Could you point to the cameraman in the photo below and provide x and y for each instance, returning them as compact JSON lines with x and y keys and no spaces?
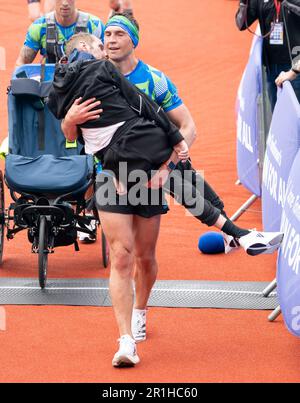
{"x":280,"y":28}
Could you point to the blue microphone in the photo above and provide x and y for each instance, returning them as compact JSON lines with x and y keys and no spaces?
{"x":211,"y":243}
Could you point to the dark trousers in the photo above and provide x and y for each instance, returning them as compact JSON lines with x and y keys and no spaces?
{"x":193,"y":187}
{"x":273,"y":72}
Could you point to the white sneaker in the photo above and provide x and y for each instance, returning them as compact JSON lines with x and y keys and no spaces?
{"x":84,"y":237}
{"x":230,"y":243}
{"x":126,"y":356}
{"x":259,"y":243}
{"x":138,"y":324}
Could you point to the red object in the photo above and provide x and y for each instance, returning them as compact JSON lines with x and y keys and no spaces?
{"x":277,"y":4}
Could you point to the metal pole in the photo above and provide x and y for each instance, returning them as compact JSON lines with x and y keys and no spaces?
{"x":244,"y":207}
{"x":274,"y":315}
{"x":271,"y":287}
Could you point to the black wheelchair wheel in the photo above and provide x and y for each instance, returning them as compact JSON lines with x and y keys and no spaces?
{"x":43,"y":251}
{"x":105,"y":250}
{"x":2,"y":217}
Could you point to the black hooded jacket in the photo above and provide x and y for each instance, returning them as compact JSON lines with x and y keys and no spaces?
{"x":120,"y":100}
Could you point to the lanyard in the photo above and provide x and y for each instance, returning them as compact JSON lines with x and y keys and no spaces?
{"x":277,"y":4}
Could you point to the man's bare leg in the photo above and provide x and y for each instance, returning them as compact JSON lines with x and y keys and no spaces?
{"x":146,"y":231}
{"x":118,"y":229}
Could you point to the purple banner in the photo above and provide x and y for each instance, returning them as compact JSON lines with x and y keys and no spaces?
{"x":288,"y":271}
{"x":282,"y":147}
{"x":250,"y":90}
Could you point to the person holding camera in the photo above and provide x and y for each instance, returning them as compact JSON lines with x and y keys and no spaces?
{"x":280,"y":28}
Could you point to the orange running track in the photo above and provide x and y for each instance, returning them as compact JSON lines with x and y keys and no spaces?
{"x":197,"y":45}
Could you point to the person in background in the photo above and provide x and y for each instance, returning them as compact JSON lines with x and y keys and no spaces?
{"x":280,"y":28}
{"x":48,"y":34}
{"x":290,"y":75}
{"x":35,"y":10}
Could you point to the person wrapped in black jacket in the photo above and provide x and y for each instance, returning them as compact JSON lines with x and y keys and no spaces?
{"x":141,"y":120}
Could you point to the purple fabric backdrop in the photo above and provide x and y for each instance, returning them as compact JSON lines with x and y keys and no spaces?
{"x":282,"y":147}
{"x":247,"y":121}
{"x":288,"y":271}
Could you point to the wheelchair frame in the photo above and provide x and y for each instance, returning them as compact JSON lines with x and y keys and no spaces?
{"x":46,"y":218}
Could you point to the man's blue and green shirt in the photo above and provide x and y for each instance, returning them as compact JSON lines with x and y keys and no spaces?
{"x":156,"y":85}
{"x":36,"y":34}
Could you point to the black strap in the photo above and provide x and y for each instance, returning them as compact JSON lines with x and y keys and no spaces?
{"x":41,"y":131}
{"x":82,"y":22}
{"x":54,"y":48}
{"x":76,"y":246}
{"x":80,"y":29}
{"x":41,"y":113}
{"x":51,"y":42}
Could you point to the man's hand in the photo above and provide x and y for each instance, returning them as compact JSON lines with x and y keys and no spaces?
{"x":80,"y":113}
{"x":182,"y":150}
{"x":121,"y":190}
{"x":285,"y":76}
{"x":159,"y":178}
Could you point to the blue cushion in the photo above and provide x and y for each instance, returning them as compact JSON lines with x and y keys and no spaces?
{"x":48,"y":174}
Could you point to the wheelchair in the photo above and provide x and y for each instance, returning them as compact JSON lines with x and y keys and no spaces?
{"x":46,"y":175}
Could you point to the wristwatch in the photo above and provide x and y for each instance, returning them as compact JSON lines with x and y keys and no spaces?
{"x":295,"y":71}
{"x":171,"y":166}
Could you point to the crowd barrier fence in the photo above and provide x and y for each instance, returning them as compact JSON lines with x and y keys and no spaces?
{"x":268,"y":165}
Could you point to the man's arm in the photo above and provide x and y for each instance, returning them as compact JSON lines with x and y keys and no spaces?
{"x":182,"y":118}
{"x":26,"y":56}
{"x":291,"y":74}
{"x":246,"y":14}
{"x":78,"y":114}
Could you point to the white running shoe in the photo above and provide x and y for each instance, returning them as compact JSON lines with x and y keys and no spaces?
{"x":230,"y":243}
{"x":126,"y":356}
{"x":87,"y":238}
{"x":138,"y":324}
{"x":259,"y":243}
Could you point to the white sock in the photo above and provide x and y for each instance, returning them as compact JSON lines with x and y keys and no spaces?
{"x":143,"y":311}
